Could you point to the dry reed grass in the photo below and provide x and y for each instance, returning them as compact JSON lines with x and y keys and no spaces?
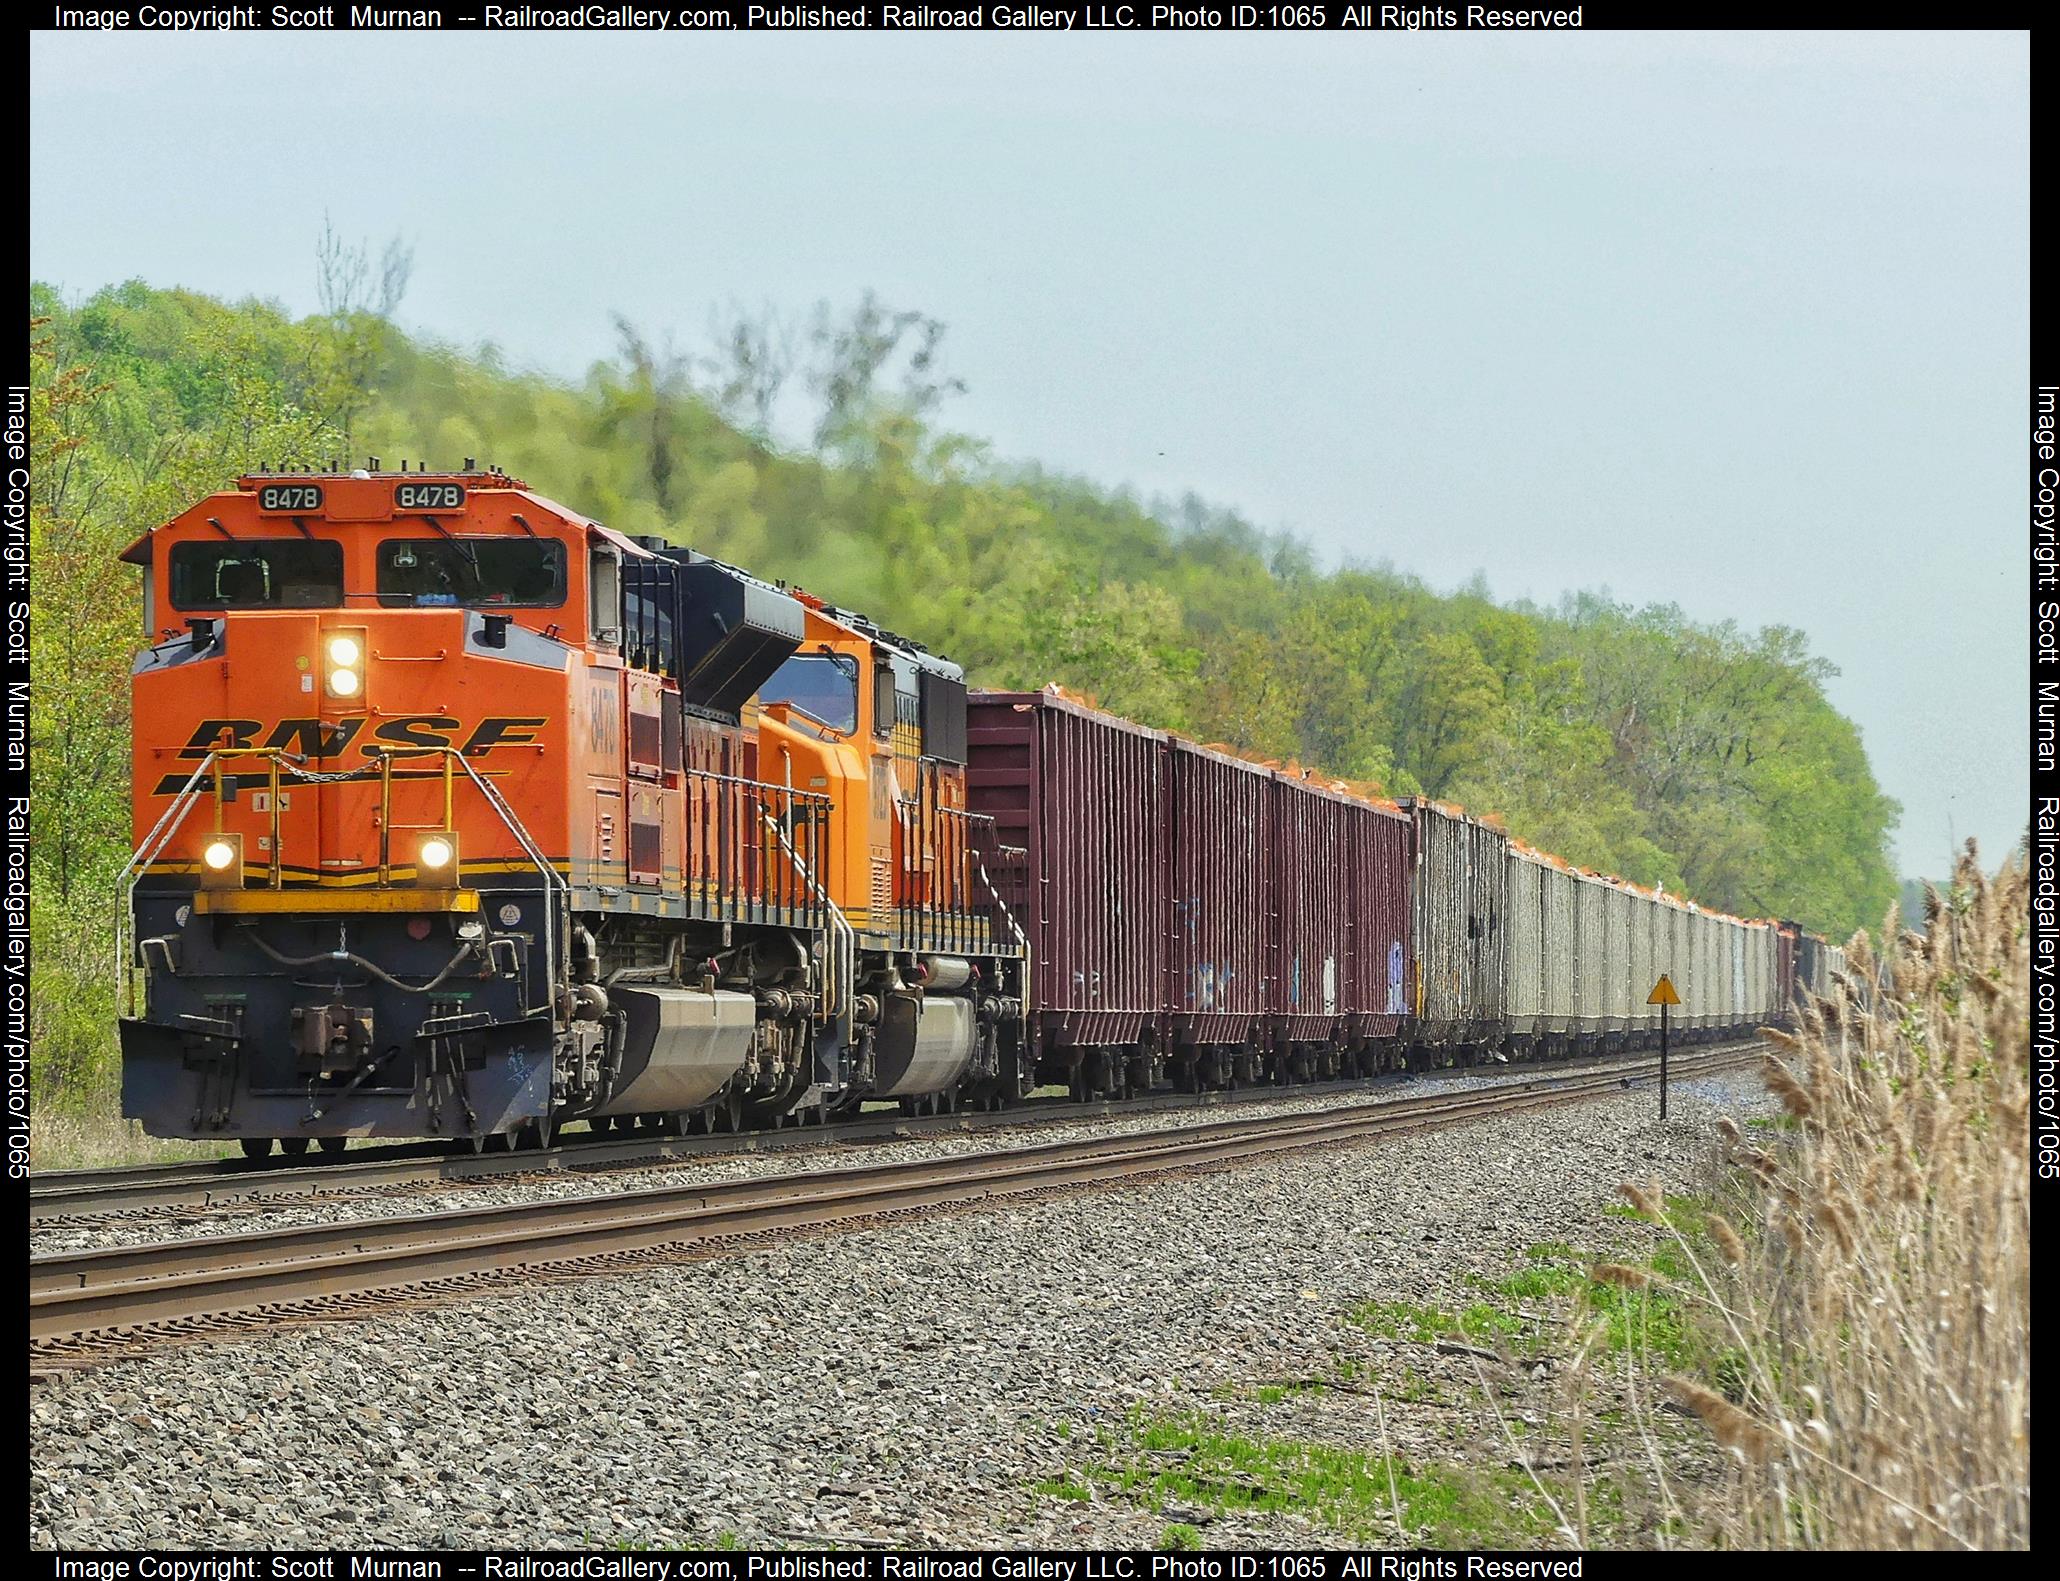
{"x":1876,"y":1318}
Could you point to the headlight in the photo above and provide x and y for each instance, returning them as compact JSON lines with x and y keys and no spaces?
{"x":221,"y":862}
{"x":343,"y":669}
{"x":436,"y":858}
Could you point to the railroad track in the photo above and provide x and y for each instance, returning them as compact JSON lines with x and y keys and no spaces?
{"x":74,"y":1193}
{"x":86,"y":1306}
{"x":206,"y":1183}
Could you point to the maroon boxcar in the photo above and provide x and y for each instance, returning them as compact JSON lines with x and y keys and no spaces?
{"x":1340,"y":929}
{"x":1083,"y":794}
{"x":1217,"y":952}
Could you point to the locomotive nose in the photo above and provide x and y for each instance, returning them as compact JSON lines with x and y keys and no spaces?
{"x":328,"y":729}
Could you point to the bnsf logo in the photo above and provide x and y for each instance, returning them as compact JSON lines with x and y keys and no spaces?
{"x":311,"y":738}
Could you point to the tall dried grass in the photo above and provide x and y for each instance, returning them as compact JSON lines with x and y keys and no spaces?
{"x":1877,"y":1390}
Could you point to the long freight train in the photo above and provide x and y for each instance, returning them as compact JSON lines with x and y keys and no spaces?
{"x":459,"y":815}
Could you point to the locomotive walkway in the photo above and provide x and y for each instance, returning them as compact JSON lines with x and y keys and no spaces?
{"x":97,"y":1305}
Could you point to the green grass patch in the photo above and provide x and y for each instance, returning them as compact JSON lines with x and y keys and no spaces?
{"x":1065,"y":1487}
{"x":1274,"y":1393}
{"x":1405,"y":1320}
{"x":1481,"y":1323}
{"x":1187,"y":1461}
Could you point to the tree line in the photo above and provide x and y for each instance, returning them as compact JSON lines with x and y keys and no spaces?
{"x":1701,"y":757}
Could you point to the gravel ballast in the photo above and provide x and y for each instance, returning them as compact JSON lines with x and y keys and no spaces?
{"x":911,"y":1383}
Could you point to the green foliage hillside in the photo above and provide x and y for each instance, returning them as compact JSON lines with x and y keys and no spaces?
{"x":1705,"y":758}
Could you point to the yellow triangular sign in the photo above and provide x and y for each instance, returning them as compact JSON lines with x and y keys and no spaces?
{"x":1663,"y":993}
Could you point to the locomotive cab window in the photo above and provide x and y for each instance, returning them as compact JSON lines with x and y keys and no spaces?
{"x":284,"y":573}
{"x":823,"y":686}
{"x":428,"y":573}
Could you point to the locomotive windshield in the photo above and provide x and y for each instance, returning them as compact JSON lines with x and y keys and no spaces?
{"x":823,"y":686}
{"x":279,"y":573}
{"x":427,"y":572}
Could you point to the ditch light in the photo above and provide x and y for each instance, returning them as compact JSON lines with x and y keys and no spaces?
{"x":221,"y":862}
{"x":436,"y":859}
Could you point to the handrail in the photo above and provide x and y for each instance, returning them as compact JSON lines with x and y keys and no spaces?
{"x":553,"y":879}
{"x":169,"y":824}
{"x":953,"y":831}
{"x":188,"y":796}
{"x":131,"y":875}
{"x":841,"y":972}
{"x":1001,"y":905}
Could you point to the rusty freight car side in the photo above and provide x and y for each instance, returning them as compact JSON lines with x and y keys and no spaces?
{"x":1083,"y":796}
{"x":1340,"y":904}
{"x":1218,"y":930}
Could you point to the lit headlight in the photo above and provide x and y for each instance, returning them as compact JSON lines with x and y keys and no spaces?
{"x":343,"y":668}
{"x":436,"y":858}
{"x":221,"y":861}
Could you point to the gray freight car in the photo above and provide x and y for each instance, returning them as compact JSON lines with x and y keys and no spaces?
{"x":1457,"y":910}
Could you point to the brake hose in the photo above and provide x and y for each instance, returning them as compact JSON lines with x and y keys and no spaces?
{"x":464,"y":950}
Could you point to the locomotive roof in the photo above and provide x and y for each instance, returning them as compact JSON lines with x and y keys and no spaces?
{"x":475,"y":480}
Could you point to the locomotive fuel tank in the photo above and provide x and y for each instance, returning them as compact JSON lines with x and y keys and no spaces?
{"x":926,"y":1044}
{"x":680,"y":1047}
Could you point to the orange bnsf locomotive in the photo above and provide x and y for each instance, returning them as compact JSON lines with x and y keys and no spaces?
{"x":458,"y":814}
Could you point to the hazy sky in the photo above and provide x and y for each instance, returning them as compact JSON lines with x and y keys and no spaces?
{"x":1736,"y":321}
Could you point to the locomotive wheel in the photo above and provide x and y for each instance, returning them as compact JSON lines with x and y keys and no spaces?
{"x":293,"y":1146}
{"x":257,"y":1147}
{"x":332,"y":1145}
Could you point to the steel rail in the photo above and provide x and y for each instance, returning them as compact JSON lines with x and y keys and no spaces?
{"x":73,"y":1193}
{"x":75,"y":1294}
